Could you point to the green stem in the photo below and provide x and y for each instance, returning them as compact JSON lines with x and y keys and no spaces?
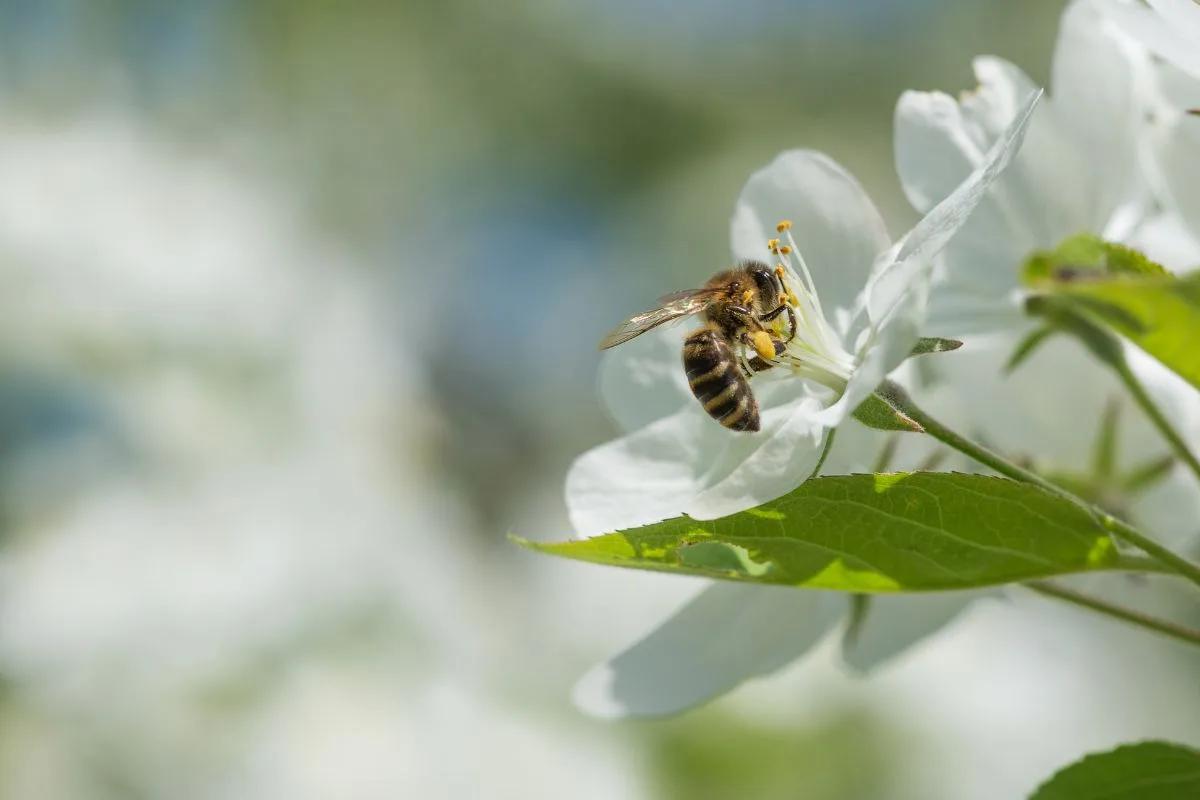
{"x":1116,"y":612}
{"x":1152,"y":411}
{"x":896,"y":396}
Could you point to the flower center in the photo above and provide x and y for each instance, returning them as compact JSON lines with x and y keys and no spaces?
{"x":815,"y":350}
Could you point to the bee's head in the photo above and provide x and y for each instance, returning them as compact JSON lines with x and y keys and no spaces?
{"x":768,"y":283}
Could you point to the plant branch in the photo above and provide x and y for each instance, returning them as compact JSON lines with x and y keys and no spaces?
{"x":1162,"y":626}
{"x":1151,"y":410}
{"x":895,"y":395}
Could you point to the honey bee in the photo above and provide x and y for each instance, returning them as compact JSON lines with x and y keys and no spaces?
{"x":737,"y":306}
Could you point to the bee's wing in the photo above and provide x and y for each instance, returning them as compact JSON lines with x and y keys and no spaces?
{"x":676,"y":305}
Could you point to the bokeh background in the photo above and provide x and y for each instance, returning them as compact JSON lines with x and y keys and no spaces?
{"x":298,"y":312}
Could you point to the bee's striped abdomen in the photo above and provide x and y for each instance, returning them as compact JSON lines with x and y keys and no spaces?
{"x":717,"y":380}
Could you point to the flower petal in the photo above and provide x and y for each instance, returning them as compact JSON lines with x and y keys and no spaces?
{"x":836,"y":226}
{"x":933,"y":231}
{"x":894,"y":624}
{"x":686,"y":463}
{"x":1172,"y":33}
{"x":1101,"y":82}
{"x":940,"y":141}
{"x":643,"y":380}
{"x":728,"y":634}
{"x":1179,"y":159}
{"x":897,"y":297}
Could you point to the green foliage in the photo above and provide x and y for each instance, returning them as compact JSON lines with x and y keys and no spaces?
{"x":874,"y":412}
{"x":1144,"y":771}
{"x":932,"y":344}
{"x":896,"y":532}
{"x":1086,"y":256}
{"x":712,"y":754}
{"x":1159,"y":315}
{"x":1089,"y":287}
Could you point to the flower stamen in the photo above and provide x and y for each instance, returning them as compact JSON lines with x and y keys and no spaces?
{"x":815,"y":350}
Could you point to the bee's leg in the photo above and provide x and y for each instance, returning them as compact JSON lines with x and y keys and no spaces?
{"x":757,"y":364}
{"x":791,"y":315}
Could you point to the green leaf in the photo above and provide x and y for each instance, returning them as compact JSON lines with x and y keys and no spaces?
{"x":1027,"y":347}
{"x":1144,"y":771}
{"x":899,"y":532}
{"x":1159,"y":315}
{"x":1085,"y":257}
{"x":875,"y":412}
{"x":932,"y":344}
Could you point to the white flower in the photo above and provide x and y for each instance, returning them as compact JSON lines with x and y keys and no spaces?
{"x":1175,"y":149}
{"x":1079,"y":170}
{"x":678,"y":460}
{"x":1169,"y":28}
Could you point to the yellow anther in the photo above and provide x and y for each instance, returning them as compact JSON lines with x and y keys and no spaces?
{"x":783,"y":251}
{"x":783,"y":225}
{"x":779,"y":270}
{"x":747,"y":296}
{"x":792,"y":300}
{"x":772,"y":244}
{"x":764,"y":345}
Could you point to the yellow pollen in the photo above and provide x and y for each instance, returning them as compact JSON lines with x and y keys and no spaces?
{"x":792,"y":300}
{"x":783,"y":251}
{"x":747,"y":296}
{"x":772,"y":244}
{"x":764,"y":345}
{"x":783,"y":225}
{"x":779,"y":270}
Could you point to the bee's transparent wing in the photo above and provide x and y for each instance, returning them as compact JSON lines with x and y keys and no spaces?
{"x":676,"y":305}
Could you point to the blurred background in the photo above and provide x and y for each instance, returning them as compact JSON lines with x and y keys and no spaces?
{"x":298,"y":312}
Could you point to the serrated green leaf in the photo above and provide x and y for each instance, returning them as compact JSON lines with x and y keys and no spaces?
{"x":899,"y":532}
{"x":932,"y":344}
{"x":1144,"y":771}
{"x":1086,"y":257}
{"x":1159,"y":315}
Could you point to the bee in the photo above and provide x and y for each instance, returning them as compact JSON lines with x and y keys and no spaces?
{"x":735,"y":342}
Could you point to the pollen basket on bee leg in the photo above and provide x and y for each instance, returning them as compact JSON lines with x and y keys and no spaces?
{"x":764,"y":345}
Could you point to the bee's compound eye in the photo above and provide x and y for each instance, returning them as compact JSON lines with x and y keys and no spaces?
{"x":766,"y":282}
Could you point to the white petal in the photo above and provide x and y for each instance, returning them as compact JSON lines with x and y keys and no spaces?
{"x":894,"y":340}
{"x":895,"y":623}
{"x":1179,"y":159}
{"x":1100,"y":87}
{"x":836,"y":226}
{"x":1172,"y":33}
{"x":729,"y":634}
{"x":648,"y":475}
{"x":1182,"y":15}
{"x":940,"y":141}
{"x":1166,"y":239}
{"x":897,"y":298}
{"x":643,"y":380}
{"x":938,"y":145}
{"x":933,"y":231}
{"x":751,"y":469}
{"x":688,"y":464}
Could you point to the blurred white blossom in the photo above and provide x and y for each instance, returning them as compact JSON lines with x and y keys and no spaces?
{"x":1169,"y":28}
{"x":262,"y":592}
{"x":1082,"y":168}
